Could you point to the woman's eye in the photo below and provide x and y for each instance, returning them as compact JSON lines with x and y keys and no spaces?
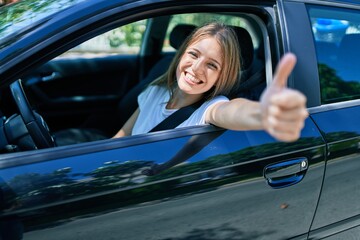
{"x":212,"y":66}
{"x":192,"y":54}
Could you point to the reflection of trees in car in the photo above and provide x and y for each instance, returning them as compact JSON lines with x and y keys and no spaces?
{"x":32,"y":189}
{"x":35,"y":188}
{"x":344,"y":148}
{"x":333,"y":88}
{"x":242,"y":156}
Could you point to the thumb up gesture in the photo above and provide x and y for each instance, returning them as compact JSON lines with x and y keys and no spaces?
{"x":283,"y":109}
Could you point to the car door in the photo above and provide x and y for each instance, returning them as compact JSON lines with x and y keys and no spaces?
{"x":193,"y":183}
{"x":220,"y":191}
{"x":336,"y":39}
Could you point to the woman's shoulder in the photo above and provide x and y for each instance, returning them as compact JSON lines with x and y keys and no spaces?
{"x":208,"y":103}
{"x":153,"y":93}
{"x":155,"y":89}
{"x":219,"y":98}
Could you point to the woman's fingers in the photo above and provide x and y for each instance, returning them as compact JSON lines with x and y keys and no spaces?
{"x":284,"y":136}
{"x":286,"y":115}
{"x":288,"y":99}
{"x":286,"y":125}
{"x":283,"y":70}
{"x":284,"y":109}
{"x":284,"y":130}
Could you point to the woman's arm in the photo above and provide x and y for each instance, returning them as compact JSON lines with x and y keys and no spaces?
{"x":281,"y":111}
{"x":238,"y":114}
{"x":128,"y":126}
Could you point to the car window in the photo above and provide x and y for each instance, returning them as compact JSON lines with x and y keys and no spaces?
{"x":200,"y":19}
{"x":94,"y":81}
{"x":337,"y":35}
{"x":122,"y":40}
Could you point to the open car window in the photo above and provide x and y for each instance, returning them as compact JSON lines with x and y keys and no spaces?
{"x":88,"y":92}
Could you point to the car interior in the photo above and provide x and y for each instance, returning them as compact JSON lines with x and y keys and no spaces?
{"x":85,"y":98}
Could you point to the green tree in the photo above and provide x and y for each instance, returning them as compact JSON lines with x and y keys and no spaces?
{"x":129,"y":35}
{"x":333,"y":88}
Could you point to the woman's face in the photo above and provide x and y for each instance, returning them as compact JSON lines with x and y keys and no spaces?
{"x":200,"y":66}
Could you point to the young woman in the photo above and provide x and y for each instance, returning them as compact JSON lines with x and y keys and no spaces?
{"x":206,"y":68}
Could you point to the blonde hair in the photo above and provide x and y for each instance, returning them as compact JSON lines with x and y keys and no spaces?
{"x":230,"y":71}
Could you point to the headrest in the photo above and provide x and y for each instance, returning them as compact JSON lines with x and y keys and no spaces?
{"x":180,"y":33}
{"x":349,"y":47}
{"x":348,"y":60}
{"x":246,"y":46}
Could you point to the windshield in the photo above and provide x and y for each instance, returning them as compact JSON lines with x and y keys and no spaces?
{"x":23,"y":14}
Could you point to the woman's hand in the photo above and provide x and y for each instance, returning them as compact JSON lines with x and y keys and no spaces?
{"x":283,"y":109}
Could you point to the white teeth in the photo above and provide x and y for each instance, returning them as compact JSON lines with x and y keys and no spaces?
{"x":192,"y":78}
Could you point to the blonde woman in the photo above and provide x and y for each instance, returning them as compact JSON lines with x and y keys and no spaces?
{"x":205,"y":69}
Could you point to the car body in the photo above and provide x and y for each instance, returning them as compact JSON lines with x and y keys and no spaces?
{"x":216,"y":183}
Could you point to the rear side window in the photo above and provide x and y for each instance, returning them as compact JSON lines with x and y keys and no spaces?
{"x":336,"y":34}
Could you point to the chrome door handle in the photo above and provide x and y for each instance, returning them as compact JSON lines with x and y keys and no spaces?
{"x":286,"y":173}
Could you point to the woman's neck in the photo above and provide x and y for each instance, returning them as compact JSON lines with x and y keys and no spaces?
{"x":180,"y":99}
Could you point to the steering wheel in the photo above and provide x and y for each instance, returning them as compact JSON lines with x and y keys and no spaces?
{"x":35,"y":124}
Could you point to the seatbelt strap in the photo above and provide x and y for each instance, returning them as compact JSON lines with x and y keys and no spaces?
{"x":177,"y":117}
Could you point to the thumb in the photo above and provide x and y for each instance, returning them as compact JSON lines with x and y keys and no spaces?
{"x":283,"y":70}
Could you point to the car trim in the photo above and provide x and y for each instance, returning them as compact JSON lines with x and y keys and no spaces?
{"x":334,"y":106}
{"x":329,"y":3}
{"x":335,"y":228}
{"x":15,"y":159}
{"x":267,"y":49}
{"x":305,"y":75}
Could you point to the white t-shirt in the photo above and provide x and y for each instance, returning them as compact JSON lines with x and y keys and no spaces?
{"x":152,"y":105}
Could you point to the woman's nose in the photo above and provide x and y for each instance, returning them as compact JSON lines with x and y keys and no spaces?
{"x":197,"y":65}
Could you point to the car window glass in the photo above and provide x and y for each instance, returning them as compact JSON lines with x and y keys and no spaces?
{"x":200,"y":19}
{"x":123,"y":40}
{"x":22,"y":15}
{"x":337,"y":35}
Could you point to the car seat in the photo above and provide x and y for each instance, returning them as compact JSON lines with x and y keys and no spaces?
{"x":252,"y":79}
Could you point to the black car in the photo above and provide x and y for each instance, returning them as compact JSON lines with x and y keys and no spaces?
{"x":69,"y":68}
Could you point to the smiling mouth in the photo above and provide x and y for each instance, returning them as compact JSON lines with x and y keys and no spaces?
{"x":191,"y":79}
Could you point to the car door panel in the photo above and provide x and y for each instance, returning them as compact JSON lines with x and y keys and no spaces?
{"x":219,"y":189}
{"x":68,"y":89}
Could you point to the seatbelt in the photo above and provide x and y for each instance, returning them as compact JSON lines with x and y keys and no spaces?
{"x":177,"y":117}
